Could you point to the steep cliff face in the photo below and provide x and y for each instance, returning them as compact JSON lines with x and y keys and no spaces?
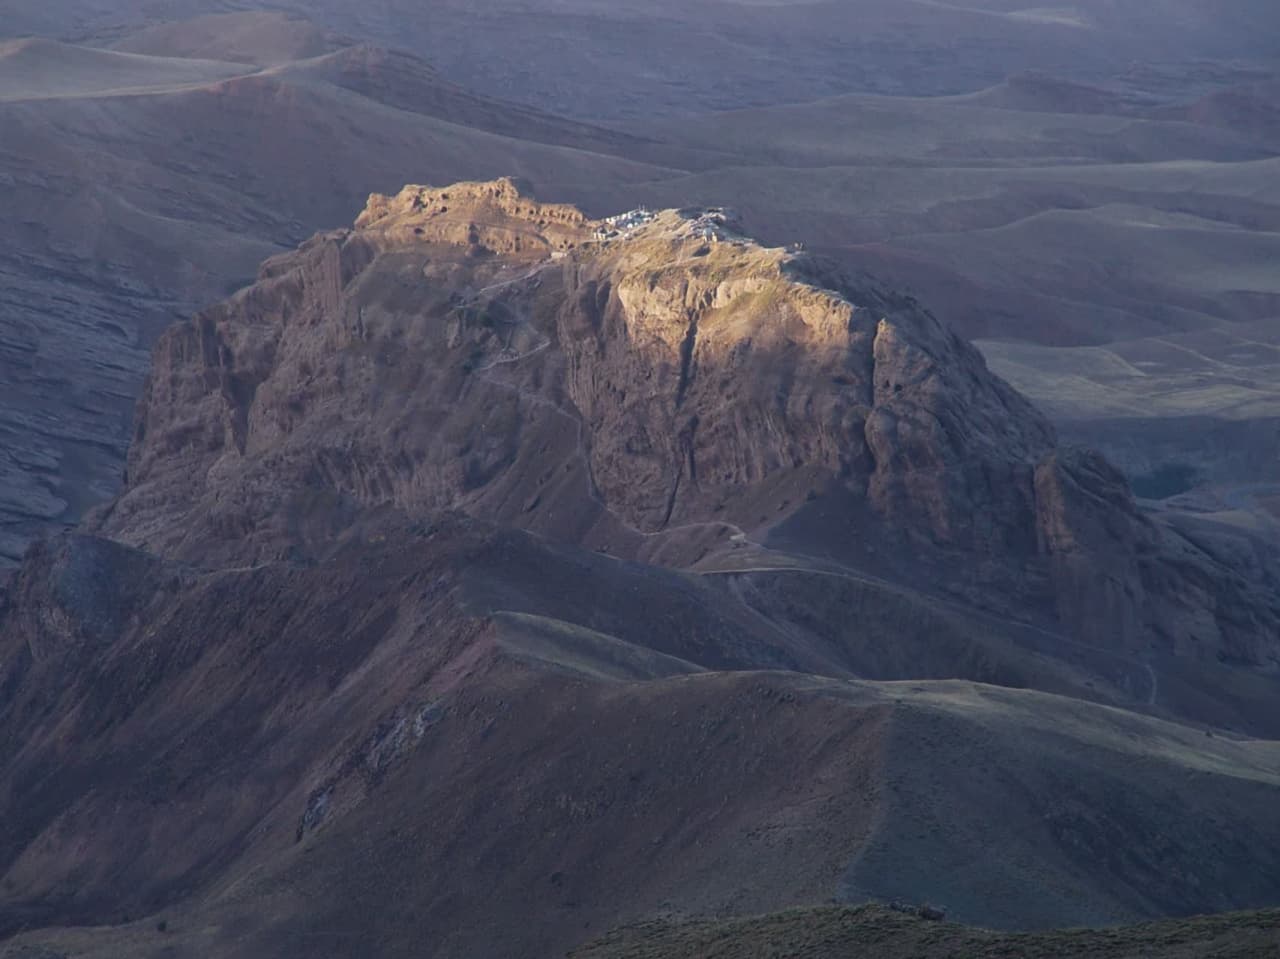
{"x":678,"y":370}
{"x":658,"y":387}
{"x":1120,"y":575}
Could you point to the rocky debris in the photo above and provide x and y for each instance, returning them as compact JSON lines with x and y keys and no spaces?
{"x":827,"y":932}
{"x":76,"y":595}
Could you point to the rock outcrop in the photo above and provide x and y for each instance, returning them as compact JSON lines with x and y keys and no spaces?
{"x":697,"y":369}
{"x":656,"y":390}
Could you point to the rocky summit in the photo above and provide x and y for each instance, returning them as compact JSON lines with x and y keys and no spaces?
{"x":487,"y":575}
{"x":657,"y":387}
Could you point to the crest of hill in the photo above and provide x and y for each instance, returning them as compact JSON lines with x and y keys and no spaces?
{"x":1040,"y":93}
{"x":257,"y":37}
{"x":35,"y":69}
{"x":405,"y":82}
{"x":497,"y":216}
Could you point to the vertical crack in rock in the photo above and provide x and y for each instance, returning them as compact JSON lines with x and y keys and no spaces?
{"x":686,"y":358}
{"x":688,"y":437}
{"x":690,"y":463}
{"x":671,"y":499}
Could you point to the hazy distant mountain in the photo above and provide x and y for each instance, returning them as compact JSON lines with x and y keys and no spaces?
{"x":604,"y":59}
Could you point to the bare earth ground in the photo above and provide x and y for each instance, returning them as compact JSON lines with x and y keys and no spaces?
{"x":411,"y":763}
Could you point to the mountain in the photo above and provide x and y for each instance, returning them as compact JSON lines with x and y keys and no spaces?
{"x":790,"y":400}
{"x":149,"y":166}
{"x":135,"y":189}
{"x":488,"y":576}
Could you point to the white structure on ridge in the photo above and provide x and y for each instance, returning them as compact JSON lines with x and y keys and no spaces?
{"x":623,"y":223}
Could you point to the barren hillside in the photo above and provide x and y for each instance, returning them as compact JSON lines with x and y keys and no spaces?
{"x":804,"y":604}
{"x":776,"y":459}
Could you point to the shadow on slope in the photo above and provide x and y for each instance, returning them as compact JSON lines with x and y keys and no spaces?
{"x":361,"y":753}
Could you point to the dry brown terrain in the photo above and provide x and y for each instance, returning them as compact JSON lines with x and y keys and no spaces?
{"x":404,"y":764}
{"x":807,"y":605}
{"x":486,"y":576}
{"x":653,"y":395}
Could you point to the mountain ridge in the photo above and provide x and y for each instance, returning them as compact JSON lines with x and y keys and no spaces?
{"x":489,"y":559}
{"x":715,"y":387}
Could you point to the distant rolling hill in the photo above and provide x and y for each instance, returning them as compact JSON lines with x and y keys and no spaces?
{"x":44,"y":69}
{"x":597,"y":59}
{"x":261,"y":37}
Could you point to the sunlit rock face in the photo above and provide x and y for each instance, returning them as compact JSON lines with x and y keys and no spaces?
{"x":656,"y":386}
